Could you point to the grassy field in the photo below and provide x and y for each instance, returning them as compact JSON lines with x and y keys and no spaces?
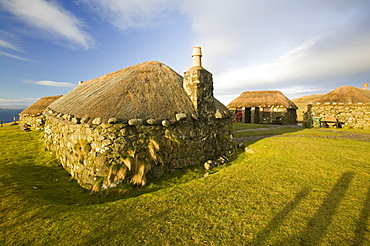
{"x":299,"y":187}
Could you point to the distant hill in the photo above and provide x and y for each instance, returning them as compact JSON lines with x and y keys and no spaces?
{"x":301,"y":103}
{"x":306,"y":99}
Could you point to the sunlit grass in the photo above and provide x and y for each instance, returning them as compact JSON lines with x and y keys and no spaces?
{"x":300,"y":188}
{"x":240,"y":126}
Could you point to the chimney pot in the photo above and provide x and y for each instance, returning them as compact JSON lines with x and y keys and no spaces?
{"x":196,"y":57}
{"x":365,"y":86}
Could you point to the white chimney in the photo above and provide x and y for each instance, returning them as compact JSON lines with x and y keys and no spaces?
{"x":365,"y":86}
{"x":196,"y":57}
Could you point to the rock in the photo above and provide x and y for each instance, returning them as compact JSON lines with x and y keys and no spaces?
{"x":180,"y":117}
{"x":135,"y":122}
{"x":194,"y":116}
{"x":166,"y":123}
{"x":249,"y":150}
{"x":84,"y":120}
{"x":97,"y":121}
{"x":208,"y":165}
{"x":76,"y":120}
{"x":151,"y":121}
{"x":241,"y":145}
{"x":112,"y":121}
{"x":218,"y":114}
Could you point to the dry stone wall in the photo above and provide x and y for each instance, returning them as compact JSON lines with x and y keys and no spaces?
{"x":36,"y":122}
{"x":279,"y":115}
{"x":351,"y":115}
{"x":102,"y":155}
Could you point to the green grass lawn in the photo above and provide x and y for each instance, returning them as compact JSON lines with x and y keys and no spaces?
{"x":299,"y":187}
{"x":240,"y":126}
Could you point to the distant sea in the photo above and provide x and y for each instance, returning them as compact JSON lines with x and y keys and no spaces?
{"x":7,"y":115}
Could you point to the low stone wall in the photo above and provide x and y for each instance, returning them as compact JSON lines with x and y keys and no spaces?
{"x":35,"y":122}
{"x":352,"y":116}
{"x":102,"y":155}
{"x":278,"y":115}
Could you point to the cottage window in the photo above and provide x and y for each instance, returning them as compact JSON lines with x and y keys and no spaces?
{"x":266,"y":112}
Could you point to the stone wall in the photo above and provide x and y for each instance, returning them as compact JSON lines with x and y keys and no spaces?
{"x":279,"y":115}
{"x":35,"y":122}
{"x":103,"y":155}
{"x":351,"y":115}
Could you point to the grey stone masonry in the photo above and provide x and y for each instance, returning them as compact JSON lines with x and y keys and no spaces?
{"x":198,"y":84}
{"x":104,"y":155}
{"x":355,"y":116}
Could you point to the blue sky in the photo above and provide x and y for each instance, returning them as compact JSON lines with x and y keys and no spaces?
{"x":299,"y":47}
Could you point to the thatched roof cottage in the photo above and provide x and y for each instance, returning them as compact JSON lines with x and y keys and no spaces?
{"x":33,"y":115}
{"x":265,"y":107}
{"x":144,"y":120}
{"x":350,"y":106}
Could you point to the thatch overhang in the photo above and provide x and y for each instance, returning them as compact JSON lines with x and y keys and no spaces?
{"x":38,"y":107}
{"x":219,"y":106}
{"x":344,"y":95}
{"x":262,"y":99}
{"x":149,"y":90}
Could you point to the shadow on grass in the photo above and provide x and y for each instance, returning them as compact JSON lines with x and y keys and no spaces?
{"x":318,"y":224}
{"x":274,"y":224}
{"x":30,"y":173}
{"x":252,"y":136}
{"x":362,"y":223}
{"x":53,"y":184}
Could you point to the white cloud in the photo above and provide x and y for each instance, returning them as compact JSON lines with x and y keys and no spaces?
{"x":257,"y":45}
{"x":7,"y":45}
{"x":132,"y":14}
{"x":305,"y":61}
{"x":19,"y":103}
{"x":51,"y":21}
{"x":15,"y":56}
{"x":50,"y":83}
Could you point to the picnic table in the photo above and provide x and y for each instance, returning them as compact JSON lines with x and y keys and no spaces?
{"x":331,"y":122}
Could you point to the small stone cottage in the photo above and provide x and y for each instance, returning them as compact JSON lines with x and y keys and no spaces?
{"x":142,"y":121}
{"x":348,"y":106}
{"x":263,"y":107}
{"x":33,"y":115}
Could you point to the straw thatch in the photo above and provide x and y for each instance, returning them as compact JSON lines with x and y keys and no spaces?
{"x":149,"y":90}
{"x":262,"y":99}
{"x":219,"y":106}
{"x":38,"y":107}
{"x":345,"y":95}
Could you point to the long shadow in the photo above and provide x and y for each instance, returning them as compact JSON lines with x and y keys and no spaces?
{"x":362,"y":222}
{"x":319,"y":223}
{"x":251,"y":136}
{"x":274,"y":224}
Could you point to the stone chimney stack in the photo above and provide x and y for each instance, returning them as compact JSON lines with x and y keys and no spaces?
{"x":365,"y":86}
{"x":196,"y":57}
{"x":198,"y":84}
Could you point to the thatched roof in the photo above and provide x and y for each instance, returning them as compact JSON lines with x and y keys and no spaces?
{"x":261,"y":99}
{"x":149,"y":90}
{"x":38,"y":107}
{"x":220,"y":106}
{"x":345,"y":95}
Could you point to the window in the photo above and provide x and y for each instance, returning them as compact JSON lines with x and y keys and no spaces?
{"x":266,"y":112}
